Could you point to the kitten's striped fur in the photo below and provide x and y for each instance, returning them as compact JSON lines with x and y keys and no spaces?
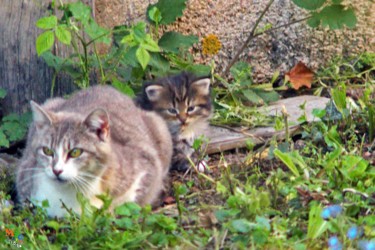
{"x":97,"y":141}
{"x":185,"y":104}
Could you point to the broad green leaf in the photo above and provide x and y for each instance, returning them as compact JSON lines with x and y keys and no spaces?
{"x":309,"y":4}
{"x":143,"y":57}
{"x":122,"y":87}
{"x":3,"y":140}
{"x":3,"y":93}
{"x":46,"y":23}
{"x":63,"y":34}
{"x":44,"y":42}
{"x":173,"y":41}
{"x":169,"y":12}
{"x":317,"y":226}
{"x":336,"y":16}
{"x":286,"y":158}
{"x":80,"y":11}
{"x":314,"y":20}
{"x":139,"y":32}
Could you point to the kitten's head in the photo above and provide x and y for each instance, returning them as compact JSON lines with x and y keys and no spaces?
{"x":71,"y":148}
{"x":182,"y":100}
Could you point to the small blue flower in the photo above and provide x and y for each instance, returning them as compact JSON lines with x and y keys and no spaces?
{"x":366,"y":245}
{"x":20,"y":237}
{"x":331,"y":212}
{"x":354,"y":232}
{"x":334,"y":243}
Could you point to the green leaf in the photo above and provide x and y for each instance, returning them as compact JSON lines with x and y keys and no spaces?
{"x":46,"y":23}
{"x":150,"y":44}
{"x":80,"y":11}
{"x":3,"y":140}
{"x":3,"y":93}
{"x":169,"y":11}
{"x":63,"y":34}
{"x":267,"y":96}
{"x":53,"y":224}
{"x":251,"y":96}
{"x":122,"y":87}
{"x":97,"y":33}
{"x":241,"y":226}
{"x":44,"y":42}
{"x":319,"y":113}
{"x":353,"y":166}
{"x":309,"y":4}
{"x":336,"y":16}
{"x":287,"y":160}
{"x":317,"y":226}
{"x":143,"y":57}
{"x":314,"y":20}
{"x":173,"y":41}
{"x":154,"y":14}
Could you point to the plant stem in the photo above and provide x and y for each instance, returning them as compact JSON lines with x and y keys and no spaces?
{"x":249,"y":38}
{"x":252,"y":35}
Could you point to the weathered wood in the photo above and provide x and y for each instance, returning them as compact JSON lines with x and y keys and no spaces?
{"x":222,"y":139}
{"x":23,"y":75}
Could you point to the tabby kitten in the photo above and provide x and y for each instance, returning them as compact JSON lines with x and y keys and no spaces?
{"x":96,"y":142}
{"x":185,"y":104}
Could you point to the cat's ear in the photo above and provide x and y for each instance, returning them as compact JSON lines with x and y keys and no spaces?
{"x":41,"y":117}
{"x":202,"y":86}
{"x":154,"y":92}
{"x":98,"y":122}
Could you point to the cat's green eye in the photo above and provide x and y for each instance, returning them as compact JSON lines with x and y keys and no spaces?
{"x":75,"y":152}
{"x":172,"y":111}
{"x":47,"y":151}
{"x":191,"y":109}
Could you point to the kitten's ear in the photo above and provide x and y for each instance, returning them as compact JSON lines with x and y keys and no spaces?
{"x":202,"y":86}
{"x":40,"y":116}
{"x":153,"y":92}
{"x":98,"y":122}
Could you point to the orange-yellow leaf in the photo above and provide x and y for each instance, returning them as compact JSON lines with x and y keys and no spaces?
{"x":300,"y":75}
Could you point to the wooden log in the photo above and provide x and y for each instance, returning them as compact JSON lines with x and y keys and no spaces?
{"x":223,"y":139}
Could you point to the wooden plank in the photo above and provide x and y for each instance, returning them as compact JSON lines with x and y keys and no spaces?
{"x":223,"y":139}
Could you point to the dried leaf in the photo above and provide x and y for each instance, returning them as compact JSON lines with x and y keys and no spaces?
{"x":300,"y":75}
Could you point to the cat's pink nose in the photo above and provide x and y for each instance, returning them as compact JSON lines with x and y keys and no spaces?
{"x":57,"y":172}
{"x":182,"y":119}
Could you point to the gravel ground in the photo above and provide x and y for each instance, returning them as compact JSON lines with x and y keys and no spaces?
{"x":231,"y":21}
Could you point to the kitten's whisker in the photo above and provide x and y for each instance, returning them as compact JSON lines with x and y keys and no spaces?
{"x":30,"y":178}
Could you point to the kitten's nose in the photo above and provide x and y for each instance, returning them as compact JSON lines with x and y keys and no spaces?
{"x":182,"y":119}
{"x":57,"y":172}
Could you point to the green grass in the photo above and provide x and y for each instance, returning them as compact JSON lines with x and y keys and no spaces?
{"x":281,"y":201}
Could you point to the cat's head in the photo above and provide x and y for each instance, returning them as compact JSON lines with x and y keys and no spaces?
{"x":68,"y":147}
{"x":182,"y":100}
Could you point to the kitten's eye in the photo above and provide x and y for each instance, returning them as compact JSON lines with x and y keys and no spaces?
{"x":75,"y":152}
{"x":172,"y":111}
{"x":47,"y":151}
{"x":191,"y":109}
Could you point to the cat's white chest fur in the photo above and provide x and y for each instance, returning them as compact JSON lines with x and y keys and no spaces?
{"x":56,"y":193}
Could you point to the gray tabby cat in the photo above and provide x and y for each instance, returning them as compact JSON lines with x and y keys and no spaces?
{"x":185,"y":104}
{"x":96,"y":142}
